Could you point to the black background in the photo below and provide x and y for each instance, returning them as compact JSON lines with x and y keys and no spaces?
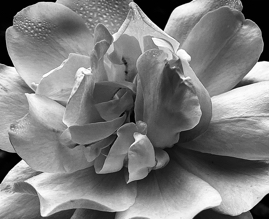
{"x":158,"y":11}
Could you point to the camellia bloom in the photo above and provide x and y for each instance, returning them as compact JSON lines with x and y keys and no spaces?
{"x":115,"y":118}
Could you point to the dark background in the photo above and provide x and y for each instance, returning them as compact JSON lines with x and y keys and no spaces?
{"x":158,"y":11}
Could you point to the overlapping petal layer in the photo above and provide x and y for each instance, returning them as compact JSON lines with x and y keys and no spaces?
{"x":239,"y":125}
{"x":35,"y":138}
{"x":236,"y":49}
{"x":186,"y":16}
{"x":240,"y":183}
{"x":171,"y":192}
{"x":13,"y":103}
{"x":211,"y":214}
{"x":42,"y":37}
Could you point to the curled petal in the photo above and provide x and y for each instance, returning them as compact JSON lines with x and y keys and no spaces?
{"x":240,"y":183}
{"x":36,"y":138}
{"x":239,"y":125}
{"x":82,"y":189}
{"x":58,"y":83}
{"x":42,"y":37}
{"x":13,"y":103}
{"x":186,"y":16}
{"x":111,"y":13}
{"x":237,"y":47}
{"x":171,"y":192}
{"x":170,"y":102}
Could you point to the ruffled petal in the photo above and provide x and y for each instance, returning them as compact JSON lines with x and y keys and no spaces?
{"x":211,"y":214}
{"x":236,"y":49}
{"x":58,"y":83}
{"x":170,"y":102}
{"x":259,"y":73}
{"x":13,"y":103}
{"x":186,"y":16}
{"x":36,"y":138}
{"x":82,"y":189}
{"x":110,"y":13}
{"x":240,"y":183}
{"x":171,"y":192}
{"x":239,"y":125}
{"x":42,"y":37}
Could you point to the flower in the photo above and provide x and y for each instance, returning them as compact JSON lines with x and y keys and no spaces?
{"x":134,"y":123}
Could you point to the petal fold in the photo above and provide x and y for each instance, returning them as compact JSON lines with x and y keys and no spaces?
{"x":42,"y":37}
{"x":239,"y":125}
{"x":237,"y":47}
{"x":35,"y":138}
{"x":186,"y":16}
{"x":13,"y":103}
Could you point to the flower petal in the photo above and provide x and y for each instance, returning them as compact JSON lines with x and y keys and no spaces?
{"x":259,"y":73}
{"x":237,"y":46}
{"x":58,"y":83}
{"x":171,"y":192}
{"x":211,"y":214}
{"x":42,"y":37}
{"x":83,"y":189}
{"x":170,"y":101}
{"x":186,"y":16}
{"x":82,"y":213}
{"x":239,"y":125}
{"x":36,"y":138}
{"x":110,"y":13}
{"x":241,"y":183}
{"x":13,"y":104}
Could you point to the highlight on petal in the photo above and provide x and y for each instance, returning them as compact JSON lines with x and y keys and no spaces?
{"x":239,"y":125}
{"x":259,"y":73}
{"x":240,"y":183}
{"x":58,"y":83}
{"x":35,"y":138}
{"x":42,"y":37}
{"x":186,"y":16}
{"x":83,"y":189}
{"x":171,"y":192}
{"x":211,"y":214}
{"x":170,"y":102}
{"x":111,"y":13}
{"x":13,"y":103}
{"x":236,"y":49}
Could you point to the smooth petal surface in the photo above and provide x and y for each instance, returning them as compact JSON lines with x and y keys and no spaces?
{"x":186,"y":16}
{"x":211,"y":214}
{"x":236,"y":49}
{"x":170,"y":103}
{"x":111,"y":13}
{"x":169,"y":193}
{"x":36,"y":138}
{"x":83,"y":189}
{"x":240,"y":183}
{"x":259,"y":73}
{"x":239,"y":125}
{"x":42,"y":37}
{"x":13,"y":103}
{"x":58,"y":83}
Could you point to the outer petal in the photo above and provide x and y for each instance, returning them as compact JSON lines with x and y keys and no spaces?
{"x":259,"y":73}
{"x":111,"y":13}
{"x":58,"y":83}
{"x":170,"y":101}
{"x":241,"y":183}
{"x":237,"y":46}
{"x":186,"y":16}
{"x":83,"y":189}
{"x":13,"y":104}
{"x":42,"y":37}
{"x":169,"y":193}
{"x":239,"y":125}
{"x":211,"y":214}
{"x":36,"y":138}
